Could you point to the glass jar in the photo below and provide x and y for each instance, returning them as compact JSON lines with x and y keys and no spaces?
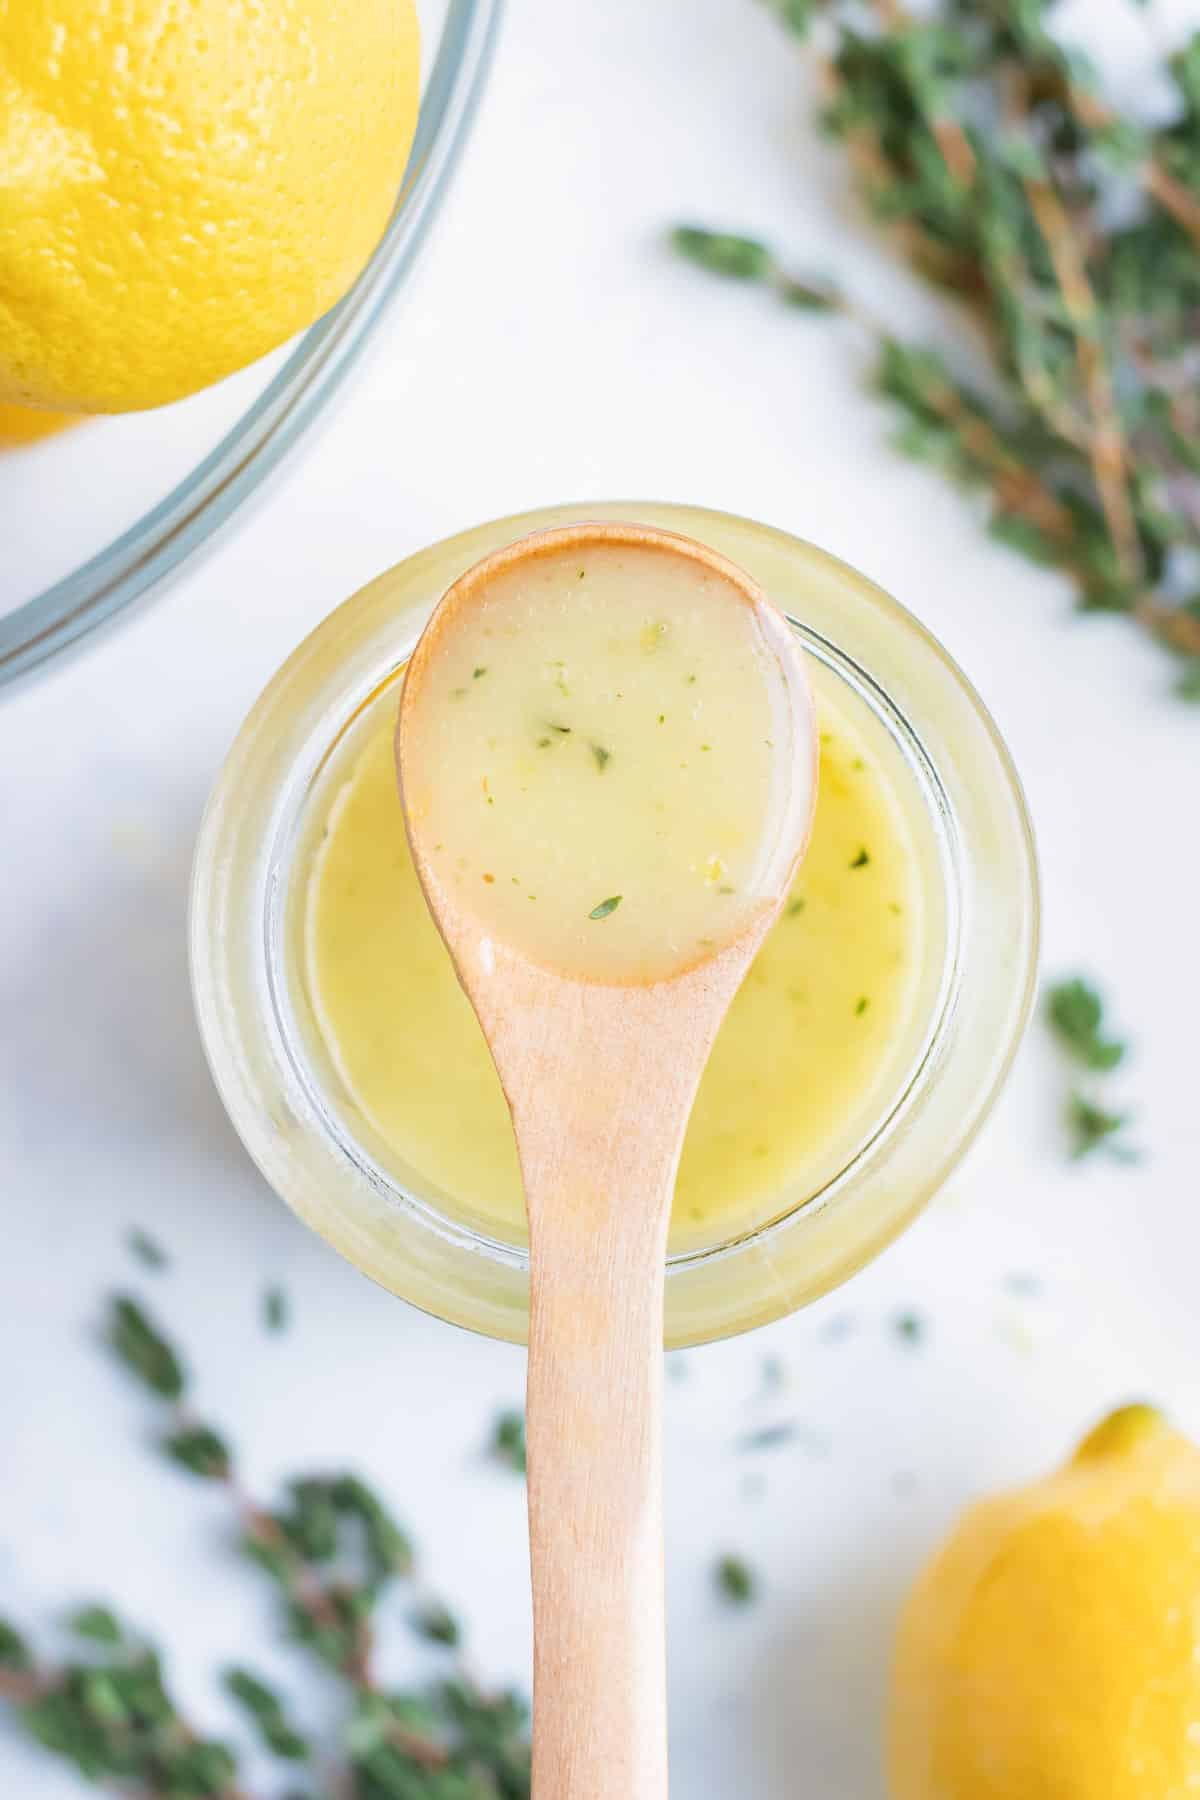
{"x":965,"y":814}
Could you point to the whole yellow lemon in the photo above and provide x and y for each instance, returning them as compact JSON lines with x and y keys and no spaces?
{"x":30,"y":424}
{"x":1051,"y":1650}
{"x":183,"y":185}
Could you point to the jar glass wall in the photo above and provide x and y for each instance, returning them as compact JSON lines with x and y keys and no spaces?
{"x":946,"y":770}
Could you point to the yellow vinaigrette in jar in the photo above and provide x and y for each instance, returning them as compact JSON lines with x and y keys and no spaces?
{"x":827,"y":1020}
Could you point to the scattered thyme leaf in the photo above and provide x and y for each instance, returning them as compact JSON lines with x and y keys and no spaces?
{"x":862,"y":859}
{"x":735,"y":1580}
{"x":774,"y":1437}
{"x":606,"y":906}
{"x":910,"y":1328}
{"x":149,"y":1253}
{"x":1094,"y":1128}
{"x":276,"y":1310}
{"x":476,"y":673}
{"x":1076,"y":1012}
{"x":508,"y":1441}
{"x":603,"y":757}
{"x":769,"y":1437}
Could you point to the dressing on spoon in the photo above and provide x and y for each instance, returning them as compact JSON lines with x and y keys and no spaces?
{"x":602,"y":757}
{"x":602,"y":897}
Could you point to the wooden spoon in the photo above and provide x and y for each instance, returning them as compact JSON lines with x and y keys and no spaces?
{"x":600,"y":1080}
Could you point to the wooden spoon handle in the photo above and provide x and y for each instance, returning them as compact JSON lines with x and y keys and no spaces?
{"x":594,"y":1426}
{"x":599,"y":1107}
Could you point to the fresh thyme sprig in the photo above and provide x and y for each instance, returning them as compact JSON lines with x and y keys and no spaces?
{"x":985,"y":148}
{"x":334,"y":1552}
{"x":111,"y":1715}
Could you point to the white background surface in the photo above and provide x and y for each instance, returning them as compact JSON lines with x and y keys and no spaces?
{"x":548,"y":349}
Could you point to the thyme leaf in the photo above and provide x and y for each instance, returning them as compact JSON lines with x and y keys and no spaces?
{"x":735,"y":1580}
{"x":147,"y":1251}
{"x":1093,"y":1128}
{"x":1076,"y":1012}
{"x":508,"y":1441}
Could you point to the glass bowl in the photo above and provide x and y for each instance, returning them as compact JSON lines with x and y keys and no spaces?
{"x":95,"y":516}
{"x":320,"y":1153}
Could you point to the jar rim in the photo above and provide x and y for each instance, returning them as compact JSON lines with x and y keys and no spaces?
{"x":330,"y":710}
